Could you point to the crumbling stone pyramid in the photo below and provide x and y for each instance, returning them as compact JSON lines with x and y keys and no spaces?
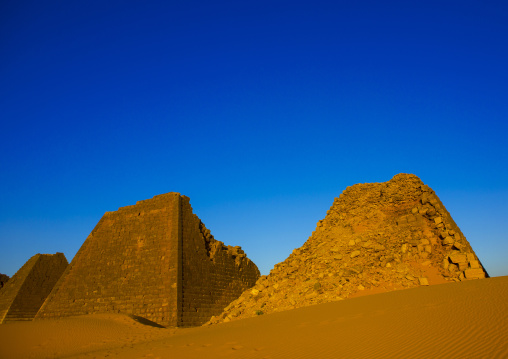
{"x":156,"y":260}
{"x":25,"y":292}
{"x":3,"y":280}
{"x":376,"y":237}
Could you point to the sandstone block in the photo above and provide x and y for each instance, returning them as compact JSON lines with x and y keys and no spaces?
{"x":463,"y":266}
{"x":457,"y":258}
{"x":448,"y":241}
{"x":474,"y":273}
{"x":355,"y":254}
{"x":367,"y":244}
{"x":458,"y":245}
{"x":311,"y":295}
{"x":453,"y":267}
{"x":474,"y":264}
{"x":445,"y":263}
{"x":423,"y":281}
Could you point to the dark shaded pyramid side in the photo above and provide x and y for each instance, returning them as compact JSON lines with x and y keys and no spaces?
{"x":376,"y":237}
{"x":25,"y":292}
{"x":155,"y":260}
{"x":3,"y":280}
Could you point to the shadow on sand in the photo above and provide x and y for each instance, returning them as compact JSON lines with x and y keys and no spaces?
{"x":145,"y":321}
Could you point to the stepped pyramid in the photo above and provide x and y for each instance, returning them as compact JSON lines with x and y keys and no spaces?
{"x":376,"y":237}
{"x":24,"y":293}
{"x":156,"y":260}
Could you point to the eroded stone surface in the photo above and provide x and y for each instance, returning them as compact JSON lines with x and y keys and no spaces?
{"x":376,"y":237}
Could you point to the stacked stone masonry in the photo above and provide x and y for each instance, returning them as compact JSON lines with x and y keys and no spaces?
{"x":25,"y":292}
{"x":213,"y":275}
{"x":376,"y":237}
{"x":152,"y":260}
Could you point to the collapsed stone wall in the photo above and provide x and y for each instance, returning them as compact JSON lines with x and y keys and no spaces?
{"x":213,"y":274}
{"x":153,"y":260}
{"x":376,"y":237}
{"x":24,"y":294}
{"x":3,"y":280}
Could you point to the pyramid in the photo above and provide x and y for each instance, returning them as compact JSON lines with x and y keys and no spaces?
{"x":376,"y":237}
{"x":24,"y":293}
{"x":156,"y":260}
{"x":3,"y":280}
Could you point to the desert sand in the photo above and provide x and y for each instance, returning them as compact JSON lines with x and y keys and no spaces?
{"x":454,"y":320}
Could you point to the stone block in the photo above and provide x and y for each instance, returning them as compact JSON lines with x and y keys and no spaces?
{"x":474,"y":273}
{"x":404,"y":248}
{"x":457,"y":258}
{"x":463,"y":266}
{"x":474,"y":264}
{"x":445,"y":263}
{"x":458,"y":245}
{"x":355,"y":254}
{"x":448,"y":241}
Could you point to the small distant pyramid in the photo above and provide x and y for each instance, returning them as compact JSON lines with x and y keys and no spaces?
{"x":3,"y":280}
{"x":156,"y":260}
{"x":24,"y":293}
{"x":376,"y":237}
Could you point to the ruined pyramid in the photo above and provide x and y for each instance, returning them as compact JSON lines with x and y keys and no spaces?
{"x":376,"y":237}
{"x":24,"y":293}
{"x":156,"y":260}
{"x":3,"y":280}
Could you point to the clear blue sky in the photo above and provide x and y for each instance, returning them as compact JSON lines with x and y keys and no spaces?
{"x":261,"y":112}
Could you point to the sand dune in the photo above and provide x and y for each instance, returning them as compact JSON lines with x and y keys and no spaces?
{"x":455,"y":320}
